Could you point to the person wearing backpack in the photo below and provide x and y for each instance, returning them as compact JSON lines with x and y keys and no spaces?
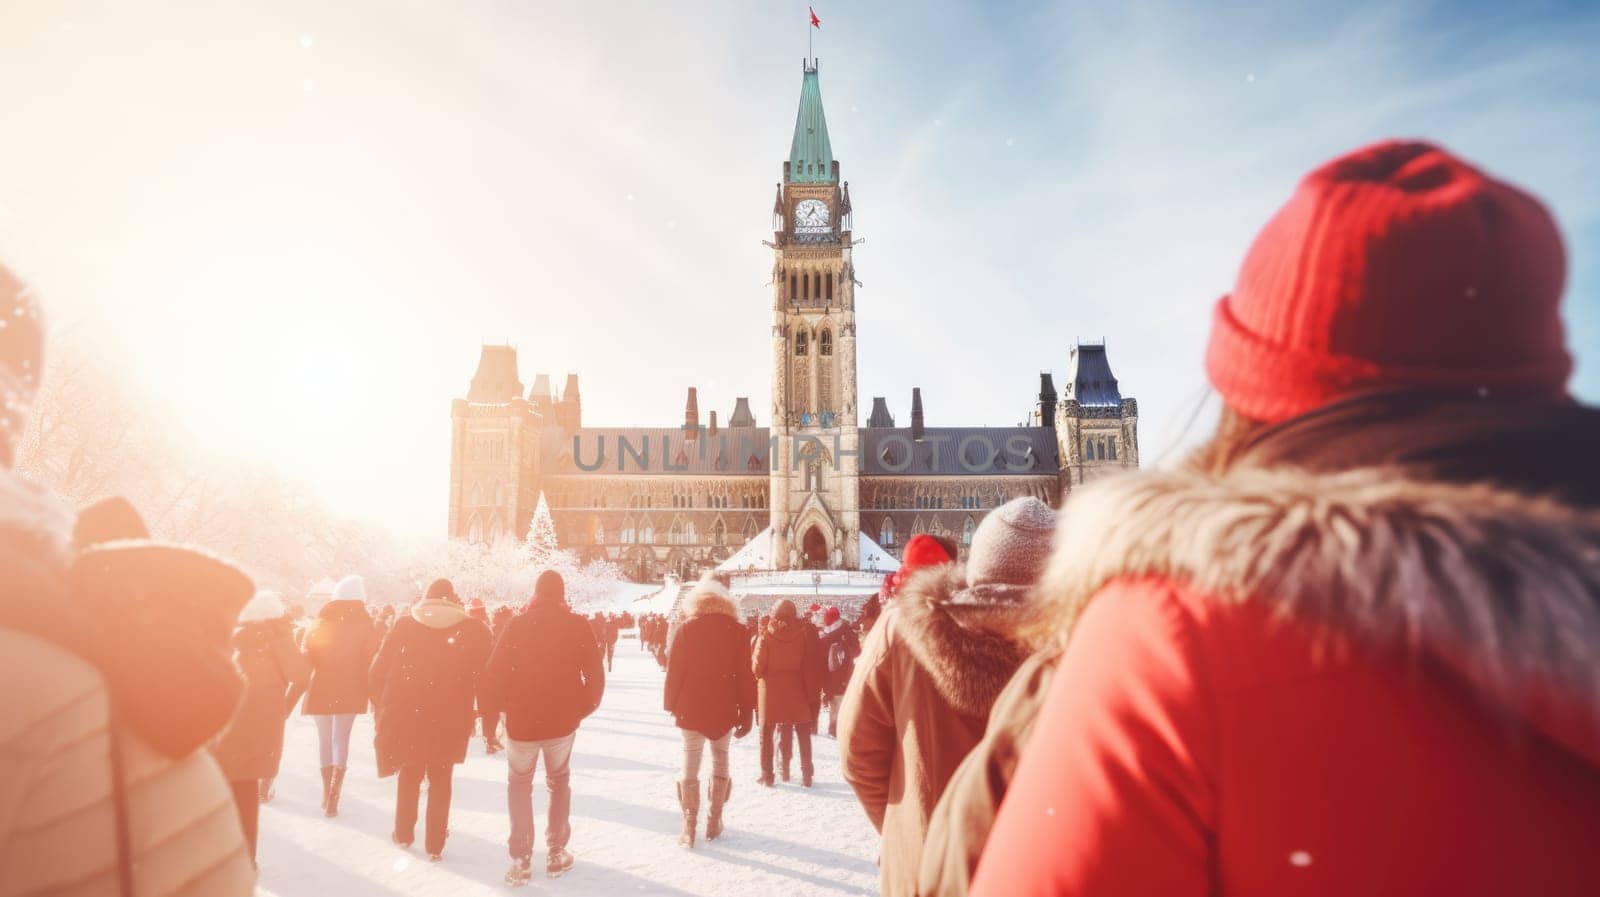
{"x":840,"y":647}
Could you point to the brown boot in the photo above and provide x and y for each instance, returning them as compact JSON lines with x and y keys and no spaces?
{"x":721,"y":787}
{"x":689,"y":800}
{"x":335,"y":785}
{"x":327,"y":786}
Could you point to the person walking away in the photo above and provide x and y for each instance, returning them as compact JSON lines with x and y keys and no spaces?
{"x":546,"y":675}
{"x":424,"y":683}
{"x":711,"y":691}
{"x":839,"y":648}
{"x":928,"y":673}
{"x":117,"y":672}
{"x":788,"y":687}
{"x":1349,"y":647}
{"x":275,"y":675}
{"x":609,"y":628}
{"x":340,"y":646}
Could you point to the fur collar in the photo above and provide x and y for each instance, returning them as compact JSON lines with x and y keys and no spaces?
{"x":1501,"y":586}
{"x":439,"y":613}
{"x":970,"y":650}
{"x":704,"y":603}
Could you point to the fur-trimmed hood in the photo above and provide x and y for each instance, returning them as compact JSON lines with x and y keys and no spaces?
{"x":704,"y":603}
{"x":970,"y":650}
{"x":1501,"y":587}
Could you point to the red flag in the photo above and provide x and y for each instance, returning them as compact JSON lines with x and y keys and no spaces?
{"x":815,"y":22}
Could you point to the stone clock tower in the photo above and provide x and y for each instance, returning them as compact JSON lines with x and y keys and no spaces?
{"x":815,"y":482}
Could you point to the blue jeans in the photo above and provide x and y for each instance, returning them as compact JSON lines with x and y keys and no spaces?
{"x":333,"y":737}
{"x":522,"y":758}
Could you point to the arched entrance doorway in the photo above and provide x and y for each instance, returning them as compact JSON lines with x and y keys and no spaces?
{"x":815,"y":549}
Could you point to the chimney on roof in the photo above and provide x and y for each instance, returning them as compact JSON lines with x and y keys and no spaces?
{"x":741,"y":416}
{"x":880,"y":416}
{"x":916,"y":413}
{"x":570,"y":409}
{"x":691,"y":415}
{"x":1047,"y":400}
{"x":712,"y":430}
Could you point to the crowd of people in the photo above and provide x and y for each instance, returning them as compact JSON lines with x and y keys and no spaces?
{"x":1347,"y":647}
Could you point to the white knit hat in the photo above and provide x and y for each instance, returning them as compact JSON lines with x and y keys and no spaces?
{"x":351,"y":588}
{"x":1009,"y":551}
{"x":264,"y":606}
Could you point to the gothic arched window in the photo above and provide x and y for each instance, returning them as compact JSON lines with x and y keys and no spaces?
{"x":966,"y":531}
{"x":825,"y":343}
{"x":800,"y":340}
{"x":719,"y":533}
{"x":886,"y":533}
{"x":475,"y":531}
{"x":1088,"y":449}
{"x":1111,"y":446}
{"x":794,"y":295}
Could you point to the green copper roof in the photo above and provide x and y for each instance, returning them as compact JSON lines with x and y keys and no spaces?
{"x":811,"y":155}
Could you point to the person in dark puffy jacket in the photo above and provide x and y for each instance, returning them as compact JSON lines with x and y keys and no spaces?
{"x":546,"y":676}
{"x":424,"y":682}
{"x":790,"y":690}
{"x":340,"y":646}
{"x":275,"y":674}
{"x":839,"y":647}
{"x":711,"y":692}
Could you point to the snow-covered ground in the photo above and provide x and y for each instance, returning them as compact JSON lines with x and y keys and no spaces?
{"x":625,"y":819}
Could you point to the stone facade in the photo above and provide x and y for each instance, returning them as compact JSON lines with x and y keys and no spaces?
{"x":681,"y":499}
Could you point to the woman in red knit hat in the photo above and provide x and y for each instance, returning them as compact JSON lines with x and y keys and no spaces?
{"x":1354,"y":647}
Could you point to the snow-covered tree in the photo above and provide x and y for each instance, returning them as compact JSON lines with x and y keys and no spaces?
{"x":542,"y":532}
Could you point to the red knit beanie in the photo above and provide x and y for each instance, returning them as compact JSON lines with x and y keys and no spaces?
{"x":1397,"y":265}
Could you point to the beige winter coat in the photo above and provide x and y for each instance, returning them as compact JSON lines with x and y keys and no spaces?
{"x":57,"y":818}
{"x":928,"y":674}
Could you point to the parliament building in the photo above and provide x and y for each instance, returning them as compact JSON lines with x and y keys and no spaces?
{"x":811,"y":487}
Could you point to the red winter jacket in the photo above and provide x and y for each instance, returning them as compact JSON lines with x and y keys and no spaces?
{"x":1281,"y":682}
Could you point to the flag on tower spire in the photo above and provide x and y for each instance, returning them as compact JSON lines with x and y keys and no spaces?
{"x":815,"y":22}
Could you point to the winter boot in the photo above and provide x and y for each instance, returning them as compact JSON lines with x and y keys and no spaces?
{"x":521,"y":872}
{"x":327,"y":786}
{"x":335,"y":785}
{"x":721,"y":787}
{"x":689,"y":800}
{"x":559,"y":862}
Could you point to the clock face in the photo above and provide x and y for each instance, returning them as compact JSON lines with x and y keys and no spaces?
{"x":810,"y":216}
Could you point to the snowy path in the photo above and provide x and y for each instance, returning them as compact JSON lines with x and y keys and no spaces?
{"x":625,"y":819}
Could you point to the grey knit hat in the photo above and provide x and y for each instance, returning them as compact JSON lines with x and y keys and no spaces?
{"x":1008,"y":552}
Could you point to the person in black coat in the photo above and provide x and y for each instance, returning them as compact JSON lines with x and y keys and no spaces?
{"x":711,"y":690}
{"x":546,"y":675}
{"x":249,"y":750}
{"x":340,"y":646}
{"x":425,"y":682}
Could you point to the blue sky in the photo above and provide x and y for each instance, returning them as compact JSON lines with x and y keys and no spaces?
{"x":328,"y":207}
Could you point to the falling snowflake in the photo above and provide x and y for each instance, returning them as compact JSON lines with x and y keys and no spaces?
{"x":306,"y":41}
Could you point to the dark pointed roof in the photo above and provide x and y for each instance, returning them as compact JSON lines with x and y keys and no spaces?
{"x":810,"y":153}
{"x":741,"y":416}
{"x":495,"y":382}
{"x":1091,"y":382}
{"x":880,"y":416}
